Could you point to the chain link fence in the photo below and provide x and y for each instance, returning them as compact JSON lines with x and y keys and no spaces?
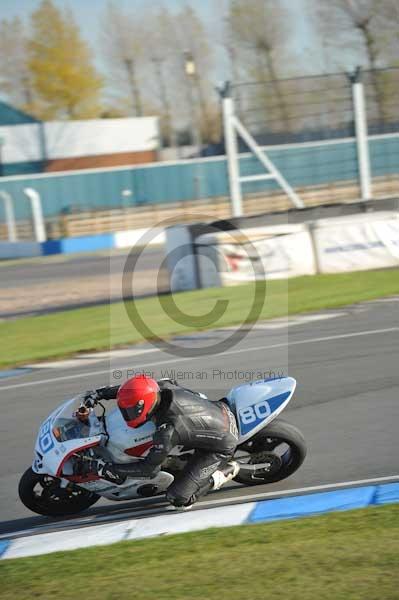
{"x":307,"y":127}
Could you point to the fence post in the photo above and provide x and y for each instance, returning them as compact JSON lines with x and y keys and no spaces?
{"x":37,"y":214}
{"x":362,"y":141}
{"x":10,"y":217}
{"x":230,"y":136}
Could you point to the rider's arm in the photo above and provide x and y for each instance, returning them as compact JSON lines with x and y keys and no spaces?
{"x":165,"y":438}
{"x":105,"y":393}
{"x":167,"y":383}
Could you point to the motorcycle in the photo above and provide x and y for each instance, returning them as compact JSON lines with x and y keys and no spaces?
{"x":268,"y":450}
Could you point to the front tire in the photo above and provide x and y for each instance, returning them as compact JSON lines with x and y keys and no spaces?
{"x":281,"y":445}
{"x":43,"y":495}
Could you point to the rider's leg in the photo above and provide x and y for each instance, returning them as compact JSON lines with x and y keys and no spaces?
{"x":202,"y":473}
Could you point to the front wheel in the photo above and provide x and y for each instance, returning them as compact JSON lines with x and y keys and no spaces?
{"x":280,"y":446}
{"x":44,"y":495}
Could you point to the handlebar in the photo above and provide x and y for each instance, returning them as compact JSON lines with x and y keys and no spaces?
{"x":90,"y":400}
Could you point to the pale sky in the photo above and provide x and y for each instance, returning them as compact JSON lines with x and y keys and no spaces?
{"x":88,"y":12}
{"x":88,"y":15}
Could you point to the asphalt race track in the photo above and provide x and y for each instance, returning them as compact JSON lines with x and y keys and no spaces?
{"x":346,"y":403}
{"x":45,"y":270}
{"x":61,"y":282}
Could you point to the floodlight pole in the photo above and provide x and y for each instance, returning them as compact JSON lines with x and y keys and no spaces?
{"x":190,"y":68}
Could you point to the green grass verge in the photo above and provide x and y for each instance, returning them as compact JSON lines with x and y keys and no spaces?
{"x":61,"y":334}
{"x":341,"y":556}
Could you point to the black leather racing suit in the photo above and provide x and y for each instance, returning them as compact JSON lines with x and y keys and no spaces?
{"x":184,"y":418}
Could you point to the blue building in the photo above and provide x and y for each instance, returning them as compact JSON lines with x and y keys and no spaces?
{"x":11,"y":116}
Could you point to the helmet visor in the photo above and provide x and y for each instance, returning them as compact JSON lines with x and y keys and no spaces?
{"x":132,"y":413}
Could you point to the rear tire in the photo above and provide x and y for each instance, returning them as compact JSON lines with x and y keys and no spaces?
{"x":43,"y":495}
{"x":260,"y":448}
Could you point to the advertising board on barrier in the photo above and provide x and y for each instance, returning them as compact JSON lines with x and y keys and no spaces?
{"x":180,"y":259}
{"x":357,"y":242}
{"x":275,"y":252}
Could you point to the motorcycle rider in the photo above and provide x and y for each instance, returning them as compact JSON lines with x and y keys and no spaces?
{"x":182,"y":418}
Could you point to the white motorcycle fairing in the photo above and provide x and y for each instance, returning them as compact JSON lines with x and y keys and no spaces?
{"x":257,"y":403}
{"x":54,"y":451}
{"x":51,"y":454}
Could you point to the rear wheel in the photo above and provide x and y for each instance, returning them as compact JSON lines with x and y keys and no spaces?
{"x":280,"y":446}
{"x":44,"y":495}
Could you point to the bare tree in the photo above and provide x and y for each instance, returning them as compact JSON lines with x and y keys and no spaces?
{"x":159,"y":55}
{"x":192,"y":43}
{"x":256,"y":30}
{"x":15,"y":75}
{"x":145,"y":54}
{"x":365,"y":27}
{"x":122,"y":41}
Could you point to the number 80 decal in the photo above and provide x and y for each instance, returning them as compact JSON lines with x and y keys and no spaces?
{"x":249,"y":414}
{"x":45,"y":439}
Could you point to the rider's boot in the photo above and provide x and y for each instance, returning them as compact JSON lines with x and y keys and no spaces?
{"x":224,"y":475}
{"x":182,"y":508}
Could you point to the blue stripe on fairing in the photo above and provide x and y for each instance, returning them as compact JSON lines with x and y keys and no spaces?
{"x":4,"y":544}
{"x":274,"y":404}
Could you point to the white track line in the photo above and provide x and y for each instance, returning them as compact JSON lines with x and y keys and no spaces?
{"x":292,"y":322}
{"x":62,"y":364}
{"x":228,"y":353}
{"x":87,"y":359}
{"x":122,"y":353}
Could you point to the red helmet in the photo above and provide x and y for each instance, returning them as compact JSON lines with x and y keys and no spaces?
{"x":137,"y":399}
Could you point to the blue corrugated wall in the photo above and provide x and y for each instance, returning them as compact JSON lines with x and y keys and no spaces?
{"x":191,"y":180}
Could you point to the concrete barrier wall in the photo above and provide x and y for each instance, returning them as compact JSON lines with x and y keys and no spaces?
{"x":345,"y":243}
{"x":274,"y":252}
{"x":89,"y":243}
{"x":20,"y":249}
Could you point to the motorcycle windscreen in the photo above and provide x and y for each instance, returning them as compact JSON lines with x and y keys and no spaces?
{"x":70,"y":425}
{"x":63,"y":433}
{"x":71,"y":429}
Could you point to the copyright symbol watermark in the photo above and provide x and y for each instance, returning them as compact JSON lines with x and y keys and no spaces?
{"x":171,"y":311}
